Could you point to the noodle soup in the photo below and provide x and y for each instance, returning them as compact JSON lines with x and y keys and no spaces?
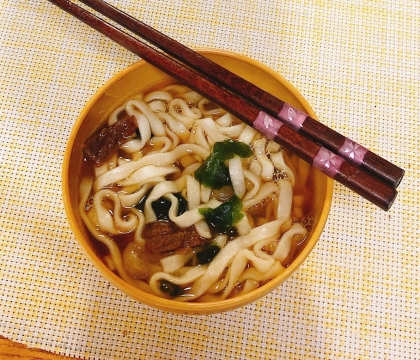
{"x":185,"y":202}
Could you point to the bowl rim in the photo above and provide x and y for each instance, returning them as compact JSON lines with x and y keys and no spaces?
{"x":154,"y":301}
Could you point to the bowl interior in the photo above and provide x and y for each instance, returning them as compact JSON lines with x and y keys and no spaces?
{"x":134,"y":80}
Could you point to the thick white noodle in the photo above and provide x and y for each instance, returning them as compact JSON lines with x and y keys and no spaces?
{"x":112,"y":222}
{"x":284,"y":207}
{"x":180,"y":110}
{"x":240,"y":262}
{"x":133,"y":145}
{"x":205,"y":194}
{"x":164,"y":96}
{"x":130,"y":199}
{"x":173,"y":137}
{"x":157,"y":106}
{"x":199,"y":137}
{"x":255,"y":180}
{"x":101,"y":169}
{"x":190,"y":276}
{"x":113,"y":161}
{"x":232,"y":131}
{"x":144,"y":174}
{"x":85,"y":190}
{"x":237,"y":176}
{"x":137,"y":107}
{"x":178,"y":127}
{"x":247,"y":135}
{"x":272,"y":147}
{"x":261,"y":154}
{"x":138,"y":239}
{"x":243,"y":226}
{"x":225,"y":120}
{"x":256,"y":168}
{"x":167,"y":144}
{"x":211,"y":129}
{"x":203,"y":229}
{"x":175,"y":261}
{"x":253,"y":274}
{"x":193,"y":192}
{"x":144,"y":129}
{"x":285,"y":244}
{"x":189,"y":170}
{"x":193,"y":198}
{"x":224,"y":257}
{"x":212,"y":112}
{"x":278,"y":161}
{"x":265,"y":191}
{"x":122,"y":172}
{"x":191,"y":97}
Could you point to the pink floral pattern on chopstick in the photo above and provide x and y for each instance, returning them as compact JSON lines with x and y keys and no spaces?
{"x":353,"y":151}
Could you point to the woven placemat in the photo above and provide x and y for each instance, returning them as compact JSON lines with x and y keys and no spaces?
{"x":355,"y":297}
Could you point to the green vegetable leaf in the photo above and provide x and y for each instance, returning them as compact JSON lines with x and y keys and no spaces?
{"x":225,"y":215}
{"x":170,"y":288}
{"x":208,"y":253}
{"x":229,"y":148}
{"x":161,"y":206}
{"x":214,"y":173}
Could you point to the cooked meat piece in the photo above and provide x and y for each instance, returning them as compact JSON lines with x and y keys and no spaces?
{"x":99,"y":147}
{"x":166,"y":236}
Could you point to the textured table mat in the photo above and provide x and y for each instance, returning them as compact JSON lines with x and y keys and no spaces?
{"x":357,"y":296}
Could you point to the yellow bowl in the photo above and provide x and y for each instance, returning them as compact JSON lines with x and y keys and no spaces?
{"x":134,"y":80}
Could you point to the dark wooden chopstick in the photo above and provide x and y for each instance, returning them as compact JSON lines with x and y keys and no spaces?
{"x":365,"y":184}
{"x":325,"y":136}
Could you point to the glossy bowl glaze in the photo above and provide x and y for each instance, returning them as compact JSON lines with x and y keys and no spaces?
{"x":134,"y":80}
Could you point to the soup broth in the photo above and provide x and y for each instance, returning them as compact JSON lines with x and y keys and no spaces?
{"x":192,"y":205}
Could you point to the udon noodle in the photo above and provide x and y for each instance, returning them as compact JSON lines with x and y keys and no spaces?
{"x":268,"y":189}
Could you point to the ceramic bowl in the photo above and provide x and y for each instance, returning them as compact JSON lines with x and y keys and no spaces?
{"x":133,"y":80}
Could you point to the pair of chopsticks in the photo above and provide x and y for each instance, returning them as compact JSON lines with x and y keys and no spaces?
{"x":342,"y":159}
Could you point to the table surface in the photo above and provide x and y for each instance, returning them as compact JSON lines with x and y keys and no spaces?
{"x":357,"y":296}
